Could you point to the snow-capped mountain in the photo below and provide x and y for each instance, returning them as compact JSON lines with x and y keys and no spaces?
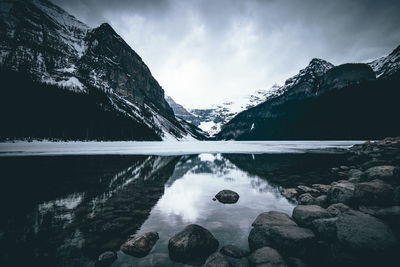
{"x":326,"y":102}
{"x":43,"y":42}
{"x":388,"y":66}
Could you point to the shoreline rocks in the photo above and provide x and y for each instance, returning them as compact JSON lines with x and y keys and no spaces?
{"x":140,"y":246}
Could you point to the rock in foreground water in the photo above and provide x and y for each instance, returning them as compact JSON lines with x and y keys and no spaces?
{"x":140,"y":246}
{"x":273,"y":218}
{"x":266,"y":256}
{"x":106,"y":259}
{"x":192,"y":245}
{"x":227,"y":196}
{"x":305,"y":214}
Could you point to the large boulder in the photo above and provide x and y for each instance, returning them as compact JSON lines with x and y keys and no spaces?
{"x":272,"y":218}
{"x":227,"y":196}
{"x":305,"y":214}
{"x":341,"y":192}
{"x":192,"y":245}
{"x":289,"y":239}
{"x":234,"y":251}
{"x":216,"y":260}
{"x":383,"y":172}
{"x":362,"y":233}
{"x":375,"y":192}
{"x":106,"y":259}
{"x":325,"y":228}
{"x":140,"y":246}
{"x":267,"y":257}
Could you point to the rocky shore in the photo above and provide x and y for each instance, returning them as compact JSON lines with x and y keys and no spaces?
{"x":353,"y":221}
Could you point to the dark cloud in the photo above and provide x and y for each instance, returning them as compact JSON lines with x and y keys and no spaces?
{"x":231,"y":47}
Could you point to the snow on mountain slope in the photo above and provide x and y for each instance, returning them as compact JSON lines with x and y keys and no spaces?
{"x":387,"y":66}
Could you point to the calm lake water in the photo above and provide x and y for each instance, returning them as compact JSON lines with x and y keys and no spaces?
{"x":66,"y":210}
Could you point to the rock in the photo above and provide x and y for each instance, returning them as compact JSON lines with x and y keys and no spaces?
{"x":307,"y":199}
{"x":227,"y":196}
{"x":337,"y":208}
{"x":216,"y":260}
{"x":375,"y":192}
{"x":106,"y":259}
{"x":341,"y":192}
{"x":325,"y":228}
{"x":289,"y":239}
{"x":344,"y":168}
{"x":290,"y":193}
{"x":273,"y":218}
{"x":305,"y":189}
{"x":193,"y":244}
{"x":384,"y":172}
{"x":372,"y":163}
{"x":305,"y":214}
{"x":295,"y":262}
{"x":323,"y":188}
{"x":390,"y":215}
{"x":234,"y":251}
{"x":363,"y":233}
{"x":141,"y":245}
{"x":267,"y":257}
{"x":322,"y":200}
{"x":354,"y":175}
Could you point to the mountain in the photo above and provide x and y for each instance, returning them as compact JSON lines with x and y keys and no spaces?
{"x":111,"y":92}
{"x":326,"y":102}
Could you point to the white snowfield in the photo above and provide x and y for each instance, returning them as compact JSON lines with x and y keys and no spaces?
{"x":45,"y":148}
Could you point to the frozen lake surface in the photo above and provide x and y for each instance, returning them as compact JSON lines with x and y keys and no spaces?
{"x":169,"y":148}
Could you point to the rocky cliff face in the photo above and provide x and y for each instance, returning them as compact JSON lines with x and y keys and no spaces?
{"x":45,"y":43}
{"x":324,"y":102}
{"x":387,"y":67}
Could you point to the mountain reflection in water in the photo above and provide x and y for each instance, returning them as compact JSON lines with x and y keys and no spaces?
{"x":66,"y":210}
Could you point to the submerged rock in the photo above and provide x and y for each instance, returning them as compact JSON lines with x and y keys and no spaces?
{"x":272,"y":218}
{"x":268,"y":257}
{"x":192,"y":245}
{"x":305,"y":214}
{"x":106,"y":259}
{"x":216,"y":260}
{"x":141,"y":245}
{"x":227,"y":196}
{"x":234,"y":251}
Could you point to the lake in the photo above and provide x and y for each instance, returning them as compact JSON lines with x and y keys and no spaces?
{"x":63,"y":204}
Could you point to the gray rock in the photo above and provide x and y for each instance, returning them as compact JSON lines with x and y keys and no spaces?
{"x":295,"y":262}
{"x":323,"y":188}
{"x":307,"y":199}
{"x":227,"y":196}
{"x":305,"y":214}
{"x":216,"y":260}
{"x":234,"y":251}
{"x":272,"y":218}
{"x":337,"y":208}
{"x":192,"y":245}
{"x":322,"y":200}
{"x":106,"y":259}
{"x":289,"y":239}
{"x":372,"y":163}
{"x":267,"y":257}
{"x":375,"y":192}
{"x":354,"y":175}
{"x":341,"y":192}
{"x":290,"y":193}
{"x":363,"y":233}
{"x":141,"y":245}
{"x":325,"y":228}
{"x":384,"y":172}
{"x":305,"y":189}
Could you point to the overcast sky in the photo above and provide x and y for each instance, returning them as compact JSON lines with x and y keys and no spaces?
{"x":205,"y":52}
